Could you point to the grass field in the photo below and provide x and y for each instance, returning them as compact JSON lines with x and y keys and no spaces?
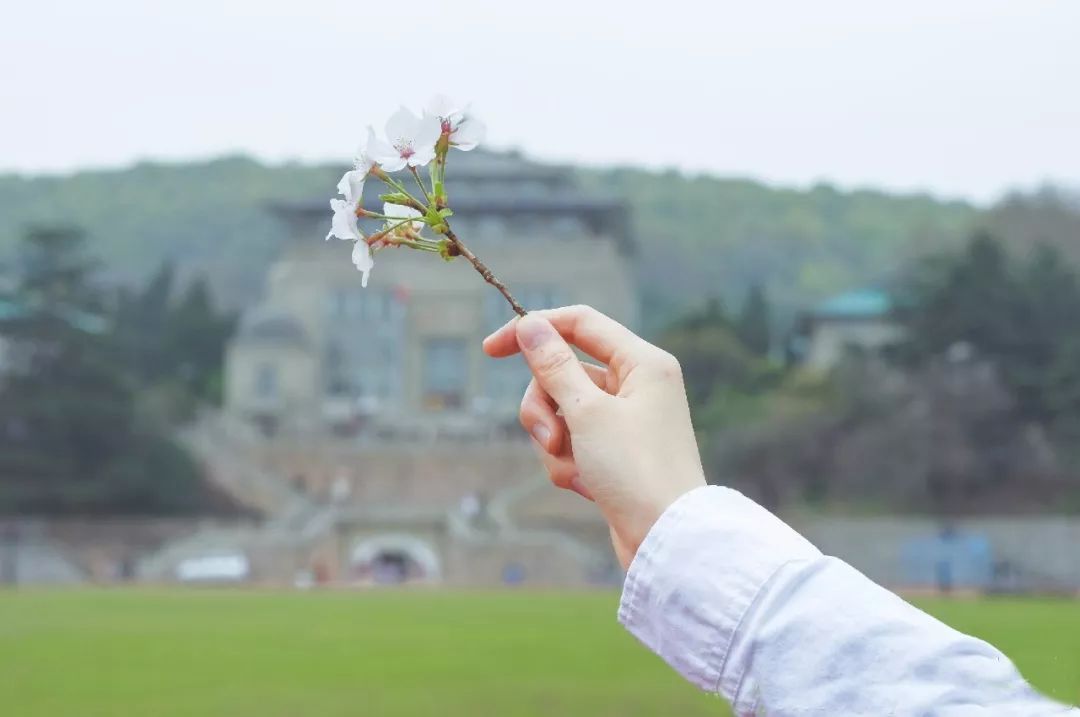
{"x":244,"y":654}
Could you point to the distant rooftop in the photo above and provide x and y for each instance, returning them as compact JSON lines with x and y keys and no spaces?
{"x":271,"y":326}
{"x":858,"y":304}
{"x":485,"y":183}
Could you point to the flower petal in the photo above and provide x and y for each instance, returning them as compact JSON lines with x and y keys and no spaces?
{"x":428,"y":130}
{"x":343,"y":225}
{"x":393,"y":164}
{"x":469,"y":133}
{"x":422,"y":155}
{"x":442,"y":107}
{"x":352,"y":186}
{"x":402,"y":126}
{"x":361,"y":257}
{"x":397,"y":211}
{"x":378,"y":148}
{"x":365,"y":154}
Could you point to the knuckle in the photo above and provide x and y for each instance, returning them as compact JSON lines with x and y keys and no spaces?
{"x":552,"y":362}
{"x":561,"y":476}
{"x":667,"y":365}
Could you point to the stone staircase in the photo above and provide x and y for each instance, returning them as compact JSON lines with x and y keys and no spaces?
{"x":293,"y":524}
{"x":291,"y":521}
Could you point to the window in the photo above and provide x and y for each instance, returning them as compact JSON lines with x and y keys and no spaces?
{"x":336,"y":370}
{"x":445,"y":373}
{"x":266,"y":380}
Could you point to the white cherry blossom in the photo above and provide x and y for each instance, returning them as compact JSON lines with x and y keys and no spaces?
{"x":361,"y":257}
{"x":344,"y":223}
{"x":352,"y":182}
{"x":352,"y":186}
{"x":411,"y":141}
{"x":464,"y":130}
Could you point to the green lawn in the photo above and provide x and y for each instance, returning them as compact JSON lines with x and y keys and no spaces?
{"x":245,"y":654}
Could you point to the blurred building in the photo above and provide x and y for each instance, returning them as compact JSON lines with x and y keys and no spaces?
{"x":366,"y":427}
{"x":860,"y":321}
{"x":321,"y":354}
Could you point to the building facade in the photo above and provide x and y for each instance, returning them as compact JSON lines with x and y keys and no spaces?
{"x":860,"y":321}
{"x":320,"y":354}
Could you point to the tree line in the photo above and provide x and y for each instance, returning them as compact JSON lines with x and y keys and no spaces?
{"x":93,"y":380}
{"x":975,"y":409}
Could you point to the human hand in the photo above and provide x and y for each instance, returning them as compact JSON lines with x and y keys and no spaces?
{"x":618,"y":434}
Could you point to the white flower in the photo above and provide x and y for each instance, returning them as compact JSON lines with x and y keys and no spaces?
{"x":412,"y":141}
{"x":343,"y":225}
{"x":397,"y":212}
{"x":361,"y":257}
{"x":352,"y":186}
{"x":463,"y":129}
{"x":352,"y":182}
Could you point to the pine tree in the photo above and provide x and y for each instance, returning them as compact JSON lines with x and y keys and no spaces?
{"x":70,"y":440}
{"x":197,"y":334}
{"x":753,"y":326}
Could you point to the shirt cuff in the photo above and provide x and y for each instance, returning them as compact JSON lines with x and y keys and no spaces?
{"x":698,"y":572}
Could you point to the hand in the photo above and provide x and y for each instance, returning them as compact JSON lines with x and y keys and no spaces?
{"x":618,"y":434}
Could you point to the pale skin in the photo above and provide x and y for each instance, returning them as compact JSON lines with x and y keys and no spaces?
{"x":618,"y":432}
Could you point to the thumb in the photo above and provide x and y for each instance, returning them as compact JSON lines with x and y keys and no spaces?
{"x":553,"y":362}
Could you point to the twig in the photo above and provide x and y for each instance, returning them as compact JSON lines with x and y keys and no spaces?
{"x":485,"y":272}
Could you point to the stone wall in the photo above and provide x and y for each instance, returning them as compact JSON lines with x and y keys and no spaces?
{"x":1028,"y":554}
{"x":423,"y":476}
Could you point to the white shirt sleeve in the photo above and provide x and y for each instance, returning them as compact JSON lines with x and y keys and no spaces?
{"x":742,"y":605}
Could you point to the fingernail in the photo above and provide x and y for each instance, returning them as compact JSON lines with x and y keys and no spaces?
{"x":542,"y":434}
{"x":577,"y":487}
{"x":533,"y":331}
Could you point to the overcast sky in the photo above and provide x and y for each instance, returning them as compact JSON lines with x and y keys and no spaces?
{"x":962,"y":97}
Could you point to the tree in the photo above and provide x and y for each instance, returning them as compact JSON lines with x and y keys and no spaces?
{"x":142,"y":324}
{"x":753,"y":327}
{"x":70,"y":437}
{"x":196,"y":338}
{"x":176,"y":346}
{"x":713,"y":358}
{"x":1025,"y":318}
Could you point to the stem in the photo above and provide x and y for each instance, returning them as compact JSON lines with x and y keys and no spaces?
{"x":394,"y":184}
{"x":485,"y":272}
{"x":388,"y":229}
{"x":412,"y":244}
{"x":420,"y":183}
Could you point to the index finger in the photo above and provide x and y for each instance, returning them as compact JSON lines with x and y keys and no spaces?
{"x":598,"y":335}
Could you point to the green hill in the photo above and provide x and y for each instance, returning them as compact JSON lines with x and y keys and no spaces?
{"x":699,"y":235}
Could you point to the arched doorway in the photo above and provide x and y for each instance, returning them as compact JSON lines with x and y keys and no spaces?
{"x":394,"y":559}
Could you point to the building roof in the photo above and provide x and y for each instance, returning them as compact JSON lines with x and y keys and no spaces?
{"x":483,"y":183}
{"x":858,"y":304}
{"x":272,"y":326}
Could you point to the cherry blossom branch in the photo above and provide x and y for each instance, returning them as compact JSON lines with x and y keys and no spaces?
{"x":413,"y":141}
{"x":484,"y":271}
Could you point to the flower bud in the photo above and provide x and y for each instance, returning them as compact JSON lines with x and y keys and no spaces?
{"x":402,"y":199}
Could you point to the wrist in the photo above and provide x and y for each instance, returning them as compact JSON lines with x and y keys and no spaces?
{"x":652,"y":510}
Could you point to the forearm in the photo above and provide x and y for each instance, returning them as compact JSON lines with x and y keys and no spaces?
{"x":742,"y":605}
